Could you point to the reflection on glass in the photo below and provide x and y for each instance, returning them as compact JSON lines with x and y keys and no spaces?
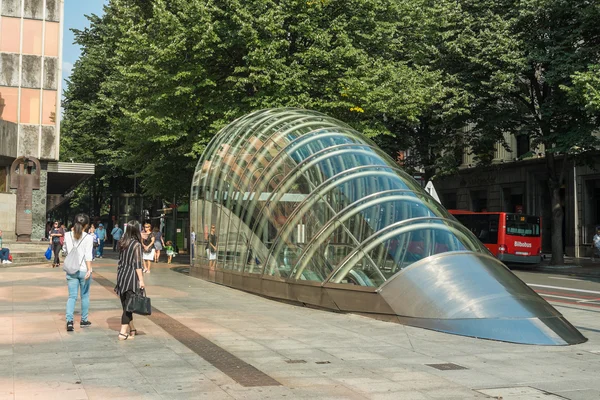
{"x":49,"y":107}
{"x":9,"y":99}
{"x":51,"y":39}
{"x":32,"y":37}
{"x":10,"y":34}
{"x":30,"y":106}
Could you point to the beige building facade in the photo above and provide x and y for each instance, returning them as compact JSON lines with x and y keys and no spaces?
{"x":517,"y":181}
{"x":30,"y":91}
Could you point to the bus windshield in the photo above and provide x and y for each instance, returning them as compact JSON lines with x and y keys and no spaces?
{"x":521,"y":225}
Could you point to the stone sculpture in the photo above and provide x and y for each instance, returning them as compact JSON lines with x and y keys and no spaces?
{"x":25,"y":177}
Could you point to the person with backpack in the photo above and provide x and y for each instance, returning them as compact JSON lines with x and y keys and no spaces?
{"x":78,"y":267}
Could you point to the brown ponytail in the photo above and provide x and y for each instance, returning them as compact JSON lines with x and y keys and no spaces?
{"x":80,"y":222}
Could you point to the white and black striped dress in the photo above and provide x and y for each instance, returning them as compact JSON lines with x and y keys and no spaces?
{"x":130,"y":259}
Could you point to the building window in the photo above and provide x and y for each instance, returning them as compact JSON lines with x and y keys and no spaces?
{"x":51,"y":39}
{"x":30,"y":106}
{"x":9,"y":100}
{"x":32,"y":37}
{"x":49,"y":107}
{"x":10,"y":35}
{"x":522,"y":145}
{"x":479,"y":200}
{"x":3,"y":179}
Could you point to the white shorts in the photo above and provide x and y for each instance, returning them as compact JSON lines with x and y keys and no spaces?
{"x":149,"y":256}
{"x":212,"y":256}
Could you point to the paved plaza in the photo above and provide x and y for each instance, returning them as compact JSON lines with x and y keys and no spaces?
{"x":206,"y":341}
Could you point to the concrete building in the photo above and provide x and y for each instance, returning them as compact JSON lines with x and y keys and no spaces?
{"x":30,"y":90}
{"x":517,"y":181}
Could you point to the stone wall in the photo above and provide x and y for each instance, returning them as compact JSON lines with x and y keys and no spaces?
{"x":8,"y":207}
{"x":38,"y":209}
{"x":8,"y":138}
{"x":29,"y":140}
{"x":9,"y":69}
{"x":11,"y":8}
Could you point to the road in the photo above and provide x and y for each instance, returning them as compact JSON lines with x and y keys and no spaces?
{"x":561,"y":291}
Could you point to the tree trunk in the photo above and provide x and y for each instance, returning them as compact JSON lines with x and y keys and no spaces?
{"x":558,"y":257}
{"x":555,"y":181}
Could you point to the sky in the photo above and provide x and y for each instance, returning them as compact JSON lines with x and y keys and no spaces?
{"x":75,"y":12}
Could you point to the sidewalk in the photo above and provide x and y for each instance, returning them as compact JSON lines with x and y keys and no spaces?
{"x":206,"y":341}
{"x":573,"y":266}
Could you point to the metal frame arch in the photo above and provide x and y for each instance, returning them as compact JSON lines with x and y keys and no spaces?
{"x":301,"y":168}
{"x":258,"y":129}
{"x":318,"y":194}
{"x":340,"y":219}
{"x":316,"y":158}
{"x":308,"y":163}
{"x":393,"y":230}
{"x":263,"y":180}
{"x":323,"y":189}
{"x":253,"y":196}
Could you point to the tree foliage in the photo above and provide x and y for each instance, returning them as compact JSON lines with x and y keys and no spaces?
{"x":157,"y":79}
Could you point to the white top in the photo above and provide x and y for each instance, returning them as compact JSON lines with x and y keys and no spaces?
{"x":86,"y":247}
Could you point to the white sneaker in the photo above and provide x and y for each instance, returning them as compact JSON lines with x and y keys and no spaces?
{"x":8,"y":262}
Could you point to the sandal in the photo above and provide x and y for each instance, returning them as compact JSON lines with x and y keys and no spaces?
{"x":132,"y":333}
{"x":126,"y":336}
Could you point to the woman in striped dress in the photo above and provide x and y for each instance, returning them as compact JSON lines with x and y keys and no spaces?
{"x":129,"y":274}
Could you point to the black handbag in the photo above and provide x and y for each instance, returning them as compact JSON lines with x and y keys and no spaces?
{"x":138,"y":303}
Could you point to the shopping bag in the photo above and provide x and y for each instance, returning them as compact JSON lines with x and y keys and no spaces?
{"x":48,"y":253}
{"x":138,"y":303}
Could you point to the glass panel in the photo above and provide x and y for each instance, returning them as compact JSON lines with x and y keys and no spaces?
{"x":30,"y":106}
{"x":403,"y":244}
{"x":10,"y":35}
{"x":49,"y":107}
{"x":51,"y":39}
{"x":364,"y":273}
{"x":521,"y":225}
{"x":404,"y":249}
{"x":32,"y":37}
{"x":9,"y":99}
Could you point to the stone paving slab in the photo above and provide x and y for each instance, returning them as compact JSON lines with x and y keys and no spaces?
{"x":310,"y":353}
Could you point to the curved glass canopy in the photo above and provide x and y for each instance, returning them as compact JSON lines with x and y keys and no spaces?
{"x":304,"y":208}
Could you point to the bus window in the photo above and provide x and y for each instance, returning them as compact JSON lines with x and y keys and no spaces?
{"x":484,"y":226}
{"x":517,"y":225}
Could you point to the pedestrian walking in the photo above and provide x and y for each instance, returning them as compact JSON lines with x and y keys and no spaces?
{"x":129,"y":275}
{"x":193,"y":242}
{"x":147,"y":246}
{"x":170,"y":251}
{"x":159,"y":243}
{"x":95,"y":241}
{"x":596,"y":245}
{"x":56,"y":235}
{"x":212,"y":248}
{"x":79,"y":281}
{"x":101,"y":233}
{"x":116,"y":234}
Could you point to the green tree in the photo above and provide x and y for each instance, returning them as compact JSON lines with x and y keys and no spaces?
{"x":86,"y":130}
{"x":191,"y":67}
{"x":558,"y":43}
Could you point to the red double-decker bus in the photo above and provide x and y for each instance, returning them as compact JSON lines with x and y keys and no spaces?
{"x":512,"y":238}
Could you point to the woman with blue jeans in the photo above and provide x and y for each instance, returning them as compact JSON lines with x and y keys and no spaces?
{"x":79,"y":281}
